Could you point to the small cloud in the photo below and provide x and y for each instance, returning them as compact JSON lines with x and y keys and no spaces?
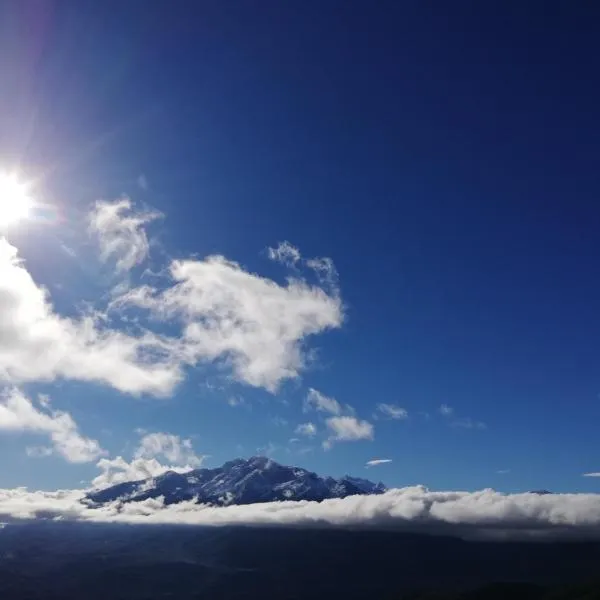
{"x":315,"y":400}
{"x":503,"y":471}
{"x":285,"y":254}
{"x":446,"y":410}
{"x":347,"y":429}
{"x":307,"y":429}
{"x":279,"y":421}
{"x":377,"y":461}
{"x":591,"y":474}
{"x":235,"y":401}
{"x":392,"y":411}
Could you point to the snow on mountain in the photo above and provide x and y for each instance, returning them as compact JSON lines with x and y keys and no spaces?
{"x":240,"y":481}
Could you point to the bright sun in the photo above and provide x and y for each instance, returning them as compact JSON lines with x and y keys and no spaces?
{"x":15,"y":201}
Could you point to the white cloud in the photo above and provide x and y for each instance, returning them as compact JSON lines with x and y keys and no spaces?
{"x":290,"y":256}
{"x":317,"y":401}
{"x":285,"y":253}
{"x":307,"y":429}
{"x":36,"y":344}
{"x":120,"y":232}
{"x":377,"y":461}
{"x":18,"y":414}
{"x":256,"y":325}
{"x":170,"y":447}
{"x":446,"y":410}
{"x":148,"y":460}
{"x":348,"y":429}
{"x":591,"y":474}
{"x":484,"y":514}
{"x":392,"y":411}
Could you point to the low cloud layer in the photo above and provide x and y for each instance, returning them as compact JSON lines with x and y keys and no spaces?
{"x":470,"y":515}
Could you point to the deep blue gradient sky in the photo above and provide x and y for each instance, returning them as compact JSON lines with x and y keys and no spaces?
{"x":444,"y":155}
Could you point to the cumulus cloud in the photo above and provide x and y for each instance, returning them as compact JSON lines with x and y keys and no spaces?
{"x":214,"y":310}
{"x":348,"y":429}
{"x":392,"y":411}
{"x":37,"y":344}
{"x":256,"y":325}
{"x":156,"y":453}
{"x":307,"y":429}
{"x":120,"y":232}
{"x":471,"y":515}
{"x":315,"y":400}
{"x":377,"y":461}
{"x":19,"y":414}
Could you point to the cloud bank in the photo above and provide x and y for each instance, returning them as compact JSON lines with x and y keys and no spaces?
{"x":470,"y":515}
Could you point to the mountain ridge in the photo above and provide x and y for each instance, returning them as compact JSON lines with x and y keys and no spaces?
{"x":239,"y":481}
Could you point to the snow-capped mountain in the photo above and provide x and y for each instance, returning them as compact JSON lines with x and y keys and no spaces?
{"x":240,"y":481}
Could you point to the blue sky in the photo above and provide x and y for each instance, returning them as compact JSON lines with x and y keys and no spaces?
{"x":444,"y":158}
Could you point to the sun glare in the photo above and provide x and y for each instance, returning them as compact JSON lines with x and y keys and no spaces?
{"x":15,"y":201}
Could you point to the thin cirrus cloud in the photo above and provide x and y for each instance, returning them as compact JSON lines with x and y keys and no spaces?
{"x":19,"y":414}
{"x":485,"y":514}
{"x":377,"y":462}
{"x":392,"y":411}
{"x":221,"y":313}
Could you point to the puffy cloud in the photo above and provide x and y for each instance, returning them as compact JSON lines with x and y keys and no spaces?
{"x":392,"y":411}
{"x":170,"y":447}
{"x":18,"y":414}
{"x":483,"y":514}
{"x":36,"y":344}
{"x":348,"y":429}
{"x":149,"y":460}
{"x":315,"y":400}
{"x":307,"y":429}
{"x":120,"y":232}
{"x":377,"y":461}
{"x":255,"y":324}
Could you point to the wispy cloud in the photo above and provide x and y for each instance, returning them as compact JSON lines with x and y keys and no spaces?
{"x":120,"y":232}
{"x":307,"y":429}
{"x":591,"y":474}
{"x":315,"y":400}
{"x":392,"y":411}
{"x":446,"y":410}
{"x":377,"y":461}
